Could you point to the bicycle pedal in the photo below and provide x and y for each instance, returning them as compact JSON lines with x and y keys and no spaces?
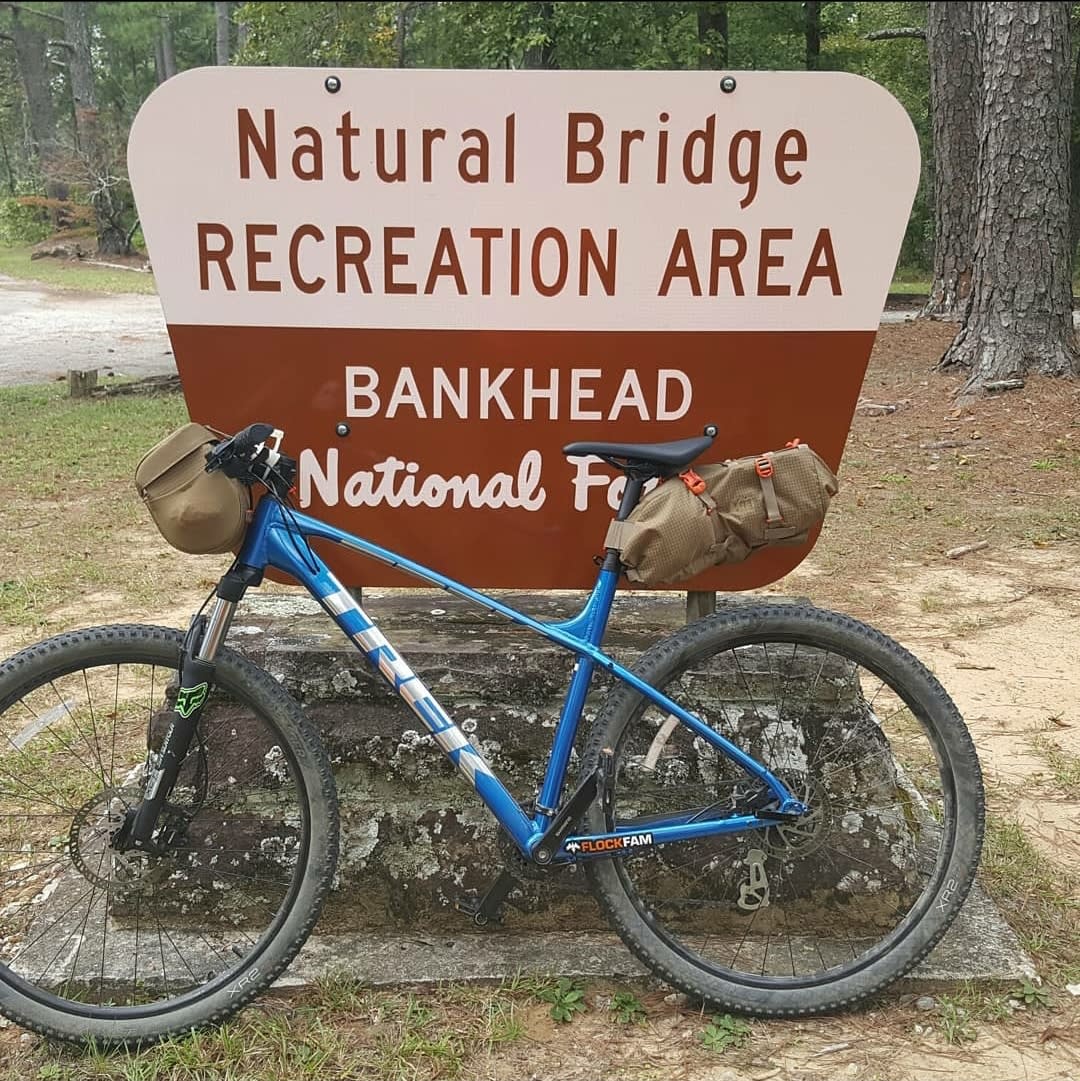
{"x":486,"y":910}
{"x":470,"y":906}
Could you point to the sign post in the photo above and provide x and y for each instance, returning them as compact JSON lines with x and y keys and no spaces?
{"x":432,"y":280}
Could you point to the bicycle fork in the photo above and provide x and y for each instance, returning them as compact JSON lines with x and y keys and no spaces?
{"x":201,"y":644}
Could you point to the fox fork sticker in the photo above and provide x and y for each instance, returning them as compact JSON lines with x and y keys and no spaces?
{"x":189,"y":699}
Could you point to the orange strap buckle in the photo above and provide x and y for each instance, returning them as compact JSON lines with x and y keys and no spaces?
{"x":693,"y":482}
{"x":763,"y":467}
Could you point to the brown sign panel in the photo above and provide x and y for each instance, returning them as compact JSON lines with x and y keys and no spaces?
{"x":471,"y":269}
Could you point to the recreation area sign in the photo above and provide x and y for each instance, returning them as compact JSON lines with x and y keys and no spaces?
{"x":468,"y":269}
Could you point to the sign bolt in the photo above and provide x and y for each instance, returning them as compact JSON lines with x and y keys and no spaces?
{"x":342,"y":429}
{"x":727,"y":84}
{"x":333,"y":84}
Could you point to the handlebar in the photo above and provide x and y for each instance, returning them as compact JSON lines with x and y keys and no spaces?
{"x":248,"y":458}
{"x":253,"y":434}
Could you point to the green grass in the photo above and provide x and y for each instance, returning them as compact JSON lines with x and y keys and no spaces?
{"x":335,"y":1029}
{"x":956,"y":1021}
{"x":55,"y":446}
{"x":910,"y":280}
{"x":1064,"y":767}
{"x":67,"y":484}
{"x":15,"y":262}
{"x":1039,"y":898}
{"x":910,"y":288}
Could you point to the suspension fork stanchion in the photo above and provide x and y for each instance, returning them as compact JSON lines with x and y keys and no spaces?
{"x":196,"y":678}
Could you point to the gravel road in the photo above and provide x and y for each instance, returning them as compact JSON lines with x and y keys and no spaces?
{"x":45,"y":332}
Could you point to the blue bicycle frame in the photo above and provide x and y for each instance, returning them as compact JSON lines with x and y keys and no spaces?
{"x":273,"y":541}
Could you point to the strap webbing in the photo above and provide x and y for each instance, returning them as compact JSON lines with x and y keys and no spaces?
{"x":772,"y":507}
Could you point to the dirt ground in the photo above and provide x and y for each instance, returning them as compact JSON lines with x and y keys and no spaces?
{"x":999,"y":627}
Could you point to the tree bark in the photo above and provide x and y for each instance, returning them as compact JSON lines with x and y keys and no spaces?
{"x":168,"y":53}
{"x":92,"y":155}
{"x":7,"y":165}
{"x":712,"y":28}
{"x":955,"y":100}
{"x":221,"y":23}
{"x":1074,"y":166}
{"x":30,"y":42}
{"x":81,"y":71}
{"x":1018,"y":316}
{"x":813,"y":34}
{"x":543,"y":56}
{"x":159,"y":61}
{"x":401,"y":32}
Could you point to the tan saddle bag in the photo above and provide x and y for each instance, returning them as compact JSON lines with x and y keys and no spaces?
{"x":723,"y":514}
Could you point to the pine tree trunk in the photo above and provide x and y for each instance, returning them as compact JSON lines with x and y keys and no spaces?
{"x":168,"y":53}
{"x":955,"y":98}
{"x":1018,"y":316}
{"x":7,"y":164}
{"x":111,"y":236}
{"x":401,"y":32}
{"x":159,"y":61}
{"x":813,"y":34}
{"x":712,"y":26}
{"x":30,"y":41}
{"x":543,"y":55}
{"x":80,"y":69}
{"x":1074,"y":166}
{"x":221,"y":22}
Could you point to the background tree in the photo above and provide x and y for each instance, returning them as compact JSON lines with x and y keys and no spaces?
{"x":135,"y":44}
{"x":1074,"y":145}
{"x":1018,"y":315}
{"x":221,"y":23}
{"x":955,"y":100}
{"x":712,"y":23}
{"x":89,"y":165}
{"x":28,"y":33}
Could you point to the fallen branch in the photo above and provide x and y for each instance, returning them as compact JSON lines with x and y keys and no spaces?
{"x":875,"y":409}
{"x":117,"y":266}
{"x":1004,"y":384}
{"x":832,"y":1048}
{"x":152,"y":384}
{"x":964,"y":549}
{"x":34,"y":11}
{"x":897,"y":32}
{"x":944,"y":444}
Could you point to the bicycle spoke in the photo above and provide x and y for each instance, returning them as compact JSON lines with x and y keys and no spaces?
{"x":823,"y":891}
{"x":125,"y":930}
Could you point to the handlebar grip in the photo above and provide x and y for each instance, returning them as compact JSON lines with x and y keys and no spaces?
{"x":251,"y":436}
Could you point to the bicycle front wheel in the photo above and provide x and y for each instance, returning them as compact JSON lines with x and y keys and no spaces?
{"x":806,"y":916}
{"x":128,"y":946}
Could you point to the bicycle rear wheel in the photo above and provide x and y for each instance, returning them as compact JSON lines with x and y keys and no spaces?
{"x":801,"y":917}
{"x":127,"y":946}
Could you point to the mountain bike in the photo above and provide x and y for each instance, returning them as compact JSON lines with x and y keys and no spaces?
{"x":778,"y":808}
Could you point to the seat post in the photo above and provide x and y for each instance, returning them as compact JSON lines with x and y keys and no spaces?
{"x":630,"y":497}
